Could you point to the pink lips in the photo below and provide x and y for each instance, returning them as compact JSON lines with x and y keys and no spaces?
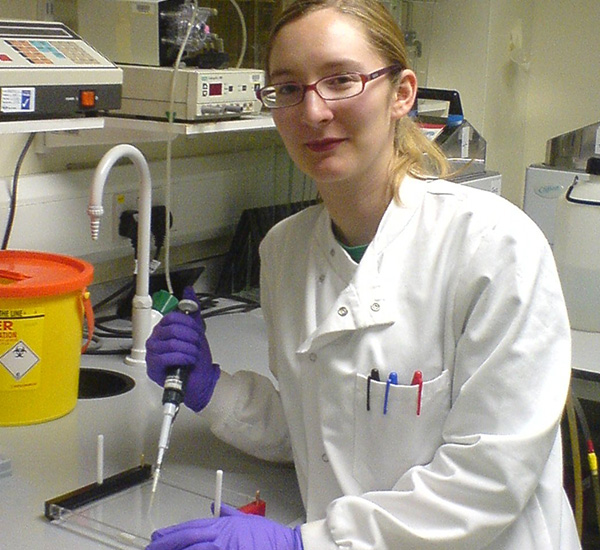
{"x":323,"y":145}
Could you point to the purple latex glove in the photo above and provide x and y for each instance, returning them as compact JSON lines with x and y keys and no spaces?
{"x":180,"y":340}
{"x":234,"y":530}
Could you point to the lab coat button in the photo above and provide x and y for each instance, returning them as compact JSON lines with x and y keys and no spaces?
{"x":375,"y":306}
{"x":332,"y":252}
{"x":343,"y":311}
{"x":321,"y":278}
{"x":312,"y":357}
{"x":324,"y":457}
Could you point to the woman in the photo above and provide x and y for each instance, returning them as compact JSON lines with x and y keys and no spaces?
{"x":448,"y":295}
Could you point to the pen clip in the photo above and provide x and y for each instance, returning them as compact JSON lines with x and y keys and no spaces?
{"x":418,"y":381}
{"x":373,"y":376}
{"x":392,"y":379}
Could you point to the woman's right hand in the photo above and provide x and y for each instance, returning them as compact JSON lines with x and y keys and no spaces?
{"x":179,"y":340}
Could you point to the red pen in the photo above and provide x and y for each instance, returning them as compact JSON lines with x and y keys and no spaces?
{"x":418,"y":381}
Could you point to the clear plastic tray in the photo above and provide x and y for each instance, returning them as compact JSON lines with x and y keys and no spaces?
{"x":126,"y":520}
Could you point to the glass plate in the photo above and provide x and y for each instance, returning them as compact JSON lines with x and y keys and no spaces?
{"x":126,"y":520}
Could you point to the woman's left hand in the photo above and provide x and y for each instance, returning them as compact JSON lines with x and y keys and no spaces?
{"x":233,"y":530}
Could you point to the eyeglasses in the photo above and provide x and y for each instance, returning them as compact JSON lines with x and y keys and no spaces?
{"x":329,"y":88}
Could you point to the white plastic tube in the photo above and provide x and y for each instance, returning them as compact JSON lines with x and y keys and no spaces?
{"x":100,"y":460}
{"x":218,"y":492}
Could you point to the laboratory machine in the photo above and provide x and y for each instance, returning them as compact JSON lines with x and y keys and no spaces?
{"x":577,"y":249}
{"x":200,"y":94}
{"x":173,"y":63}
{"x":440,"y":115}
{"x":46,"y":70}
{"x":545,"y":183}
{"x":150,"y":32}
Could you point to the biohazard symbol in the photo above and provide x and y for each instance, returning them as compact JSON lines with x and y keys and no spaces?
{"x":19,"y":360}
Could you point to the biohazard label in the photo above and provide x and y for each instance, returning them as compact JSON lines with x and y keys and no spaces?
{"x":19,"y":360}
{"x":21,"y":338}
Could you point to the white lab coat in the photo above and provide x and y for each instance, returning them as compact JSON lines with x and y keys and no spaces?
{"x":460,"y":285}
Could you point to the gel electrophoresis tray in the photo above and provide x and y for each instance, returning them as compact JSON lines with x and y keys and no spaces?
{"x":125,"y":517}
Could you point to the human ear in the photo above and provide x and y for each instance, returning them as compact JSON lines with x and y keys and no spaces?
{"x":406,"y":94}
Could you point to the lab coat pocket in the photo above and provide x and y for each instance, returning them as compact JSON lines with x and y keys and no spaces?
{"x":387,"y":445}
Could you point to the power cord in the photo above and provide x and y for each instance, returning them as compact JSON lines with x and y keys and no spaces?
{"x":576,"y":419}
{"x":171,"y":122}
{"x":591,"y":455}
{"x":13,"y":199}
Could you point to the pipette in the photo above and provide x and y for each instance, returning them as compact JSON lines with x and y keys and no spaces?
{"x":173,"y":394}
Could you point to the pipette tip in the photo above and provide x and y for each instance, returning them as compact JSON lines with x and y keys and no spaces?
{"x":155,"y":479}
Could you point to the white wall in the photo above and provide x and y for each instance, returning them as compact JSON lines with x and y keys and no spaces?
{"x":469,"y":50}
{"x":564,"y":84}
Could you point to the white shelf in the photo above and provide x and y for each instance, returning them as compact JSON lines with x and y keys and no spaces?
{"x":50,"y":125}
{"x":136,"y":130}
{"x":250,"y":123}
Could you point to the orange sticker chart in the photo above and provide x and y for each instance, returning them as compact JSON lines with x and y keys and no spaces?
{"x":46,"y":52}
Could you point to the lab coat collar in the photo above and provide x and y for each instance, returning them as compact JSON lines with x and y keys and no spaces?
{"x":361,"y":304}
{"x":398,"y":214}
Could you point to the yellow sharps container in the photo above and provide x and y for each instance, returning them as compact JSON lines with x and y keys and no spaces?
{"x":43,"y":298}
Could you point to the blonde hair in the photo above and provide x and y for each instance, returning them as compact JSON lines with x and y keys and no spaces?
{"x":415,"y":154}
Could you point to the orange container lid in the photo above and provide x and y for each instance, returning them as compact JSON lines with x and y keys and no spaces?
{"x":25,"y":274}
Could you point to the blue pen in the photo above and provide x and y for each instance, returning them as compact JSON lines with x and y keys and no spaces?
{"x":392,"y":379}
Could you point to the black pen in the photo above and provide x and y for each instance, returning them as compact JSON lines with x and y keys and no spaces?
{"x":373,"y":376}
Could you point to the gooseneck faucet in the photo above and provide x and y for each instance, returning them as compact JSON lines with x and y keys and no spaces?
{"x":141,"y":316}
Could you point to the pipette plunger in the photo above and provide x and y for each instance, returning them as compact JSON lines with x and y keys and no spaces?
{"x":173,"y":394}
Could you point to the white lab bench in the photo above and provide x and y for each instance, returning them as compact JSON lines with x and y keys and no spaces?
{"x":56,"y":457}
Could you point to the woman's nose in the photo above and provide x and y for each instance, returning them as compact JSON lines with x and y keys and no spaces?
{"x":315,"y":110}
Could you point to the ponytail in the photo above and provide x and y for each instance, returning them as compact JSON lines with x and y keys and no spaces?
{"x":415,"y":155}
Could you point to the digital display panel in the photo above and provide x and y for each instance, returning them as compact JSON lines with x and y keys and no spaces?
{"x":215,"y":88}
